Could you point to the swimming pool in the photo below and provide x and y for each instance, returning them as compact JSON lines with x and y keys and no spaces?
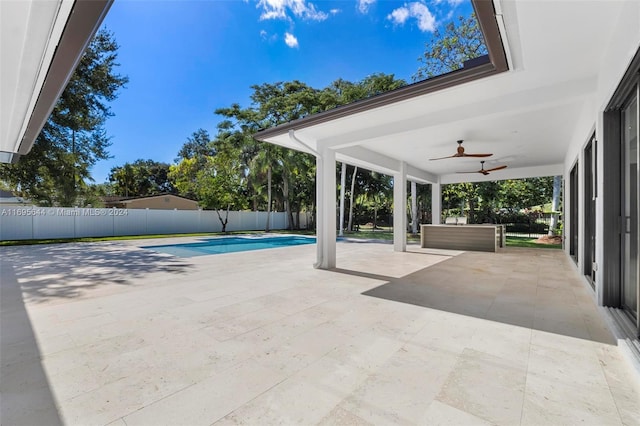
{"x":231,"y":245}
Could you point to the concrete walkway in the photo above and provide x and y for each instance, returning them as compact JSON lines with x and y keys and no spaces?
{"x":108,"y":333}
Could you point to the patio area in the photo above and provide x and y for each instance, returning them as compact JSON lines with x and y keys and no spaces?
{"x":109,"y":333}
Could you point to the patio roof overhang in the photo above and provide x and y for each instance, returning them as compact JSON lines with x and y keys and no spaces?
{"x":41,"y":45}
{"x":527,"y":116}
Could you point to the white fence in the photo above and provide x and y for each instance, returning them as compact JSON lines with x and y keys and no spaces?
{"x":25,"y":223}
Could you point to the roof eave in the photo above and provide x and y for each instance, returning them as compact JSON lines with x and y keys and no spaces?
{"x":485,"y":14}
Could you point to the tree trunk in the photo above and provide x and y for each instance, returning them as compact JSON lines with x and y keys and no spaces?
{"x":414,"y":209}
{"x":224,"y":221}
{"x":375,"y":215}
{"x":266,"y":228}
{"x":285,"y":196}
{"x":352,"y":198}
{"x":343,"y":178}
{"x":555,"y":203}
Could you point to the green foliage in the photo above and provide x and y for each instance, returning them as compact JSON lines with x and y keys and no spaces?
{"x":220,"y":184}
{"x":141,"y":178}
{"x":481,"y":201}
{"x":183,"y":175}
{"x":447,"y":50}
{"x":73,"y":139}
{"x":529,"y":243}
{"x":198,"y":145}
{"x":278,"y":175}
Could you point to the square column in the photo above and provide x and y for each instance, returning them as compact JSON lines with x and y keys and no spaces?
{"x":436,"y":203}
{"x":400,"y":209}
{"x":326,"y":209}
{"x":414,"y":208}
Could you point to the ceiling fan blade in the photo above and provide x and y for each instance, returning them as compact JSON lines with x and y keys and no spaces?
{"x":475,"y":171}
{"x":496,"y":168}
{"x":477,"y":155}
{"x":442,"y":158}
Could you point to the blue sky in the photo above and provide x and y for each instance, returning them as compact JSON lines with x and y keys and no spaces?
{"x":184,"y":59}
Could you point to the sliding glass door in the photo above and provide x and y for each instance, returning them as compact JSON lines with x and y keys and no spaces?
{"x":630,"y":186}
{"x":590,"y":194}
{"x":573,"y":213}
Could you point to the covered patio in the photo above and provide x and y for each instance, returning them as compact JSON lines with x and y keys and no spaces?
{"x":109,"y":333}
{"x":557,"y":95}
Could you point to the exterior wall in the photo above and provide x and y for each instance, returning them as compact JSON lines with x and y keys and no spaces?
{"x":24,"y":223}
{"x":624,"y":42}
{"x":162,"y":202}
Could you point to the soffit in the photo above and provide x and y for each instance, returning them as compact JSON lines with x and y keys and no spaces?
{"x":41,"y":43}
{"x":526,"y":116}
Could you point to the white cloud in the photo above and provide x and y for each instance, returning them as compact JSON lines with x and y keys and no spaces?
{"x":280,"y":9}
{"x":335,"y":11}
{"x":399,"y":16}
{"x":364,"y":5}
{"x":290,"y":40}
{"x":425,"y":19}
{"x":452,"y":3}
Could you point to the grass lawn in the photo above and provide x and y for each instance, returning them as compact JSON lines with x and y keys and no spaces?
{"x":385,"y":233}
{"x":137,"y":237}
{"x":529,"y":243}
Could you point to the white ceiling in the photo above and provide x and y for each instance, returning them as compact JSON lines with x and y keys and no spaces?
{"x":526,"y":117}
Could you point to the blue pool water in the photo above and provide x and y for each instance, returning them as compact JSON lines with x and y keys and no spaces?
{"x":230,"y":245}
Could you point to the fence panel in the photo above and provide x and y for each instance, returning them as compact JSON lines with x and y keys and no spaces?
{"x":15,"y":224}
{"x":93,"y":223}
{"x":278,"y":220}
{"x":57,"y":223}
{"x":129,"y":221}
{"x":23,"y":223}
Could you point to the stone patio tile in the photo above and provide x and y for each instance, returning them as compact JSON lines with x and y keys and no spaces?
{"x":563,"y":366}
{"x":485,"y":386}
{"x":227,"y":328}
{"x":550,"y":402}
{"x":295,"y":354}
{"x":210,"y":399}
{"x":505,"y":341}
{"x":417,"y":338}
{"x":368,"y":351}
{"x":340,"y":416}
{"x":446,"y":332}
{"x":625,"y":392}
{"x":402,"y":388}
{"x":440,"y":414}
{"x":305,"y":398}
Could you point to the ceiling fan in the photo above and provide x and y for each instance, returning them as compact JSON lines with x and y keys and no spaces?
{"x":461,"y":153}
{"x":486,"y":171}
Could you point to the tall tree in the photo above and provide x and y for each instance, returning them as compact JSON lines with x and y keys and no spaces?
{"x":447,"y":50}
{"x":198,"y":145}
{"x":220,"y":183}
{"x":141,"y":178}
{"x":73,"y":139}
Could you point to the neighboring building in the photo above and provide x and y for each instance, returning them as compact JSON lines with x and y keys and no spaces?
{"x":7,"y":198}
{"x":156,"y":202}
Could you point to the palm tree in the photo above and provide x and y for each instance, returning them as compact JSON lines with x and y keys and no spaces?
{"x":263,"y":162}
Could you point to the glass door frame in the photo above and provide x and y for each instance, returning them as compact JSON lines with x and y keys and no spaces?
{"x":589,"y":208}
{"x":628,"y":218}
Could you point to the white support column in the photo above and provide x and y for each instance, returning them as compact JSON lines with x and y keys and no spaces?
{"x":400,"y":209}
{"x":326,"y":209}
{"x":414,"y":208}
{"x":343,"y":181}
{"x":436,"y":203}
